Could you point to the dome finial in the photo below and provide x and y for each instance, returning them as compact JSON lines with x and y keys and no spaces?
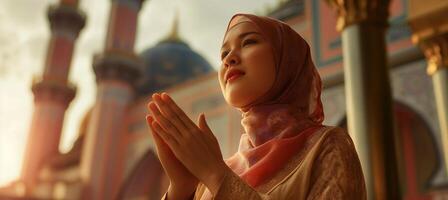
{"x":174,"y":35}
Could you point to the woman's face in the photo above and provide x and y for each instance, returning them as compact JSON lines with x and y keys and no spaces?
{"x":248,"y":68}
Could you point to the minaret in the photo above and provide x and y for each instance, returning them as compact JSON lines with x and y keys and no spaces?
{"x":116,"y":70}
{"x":52,"y":92}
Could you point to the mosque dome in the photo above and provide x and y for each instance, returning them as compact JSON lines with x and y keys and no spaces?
{"x":170,"y":62}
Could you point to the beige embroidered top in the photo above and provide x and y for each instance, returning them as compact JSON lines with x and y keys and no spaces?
{"x":327,"y":168}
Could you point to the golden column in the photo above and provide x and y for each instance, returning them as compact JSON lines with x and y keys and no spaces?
{"x":429,"y":22}
{"x":369,"y":109}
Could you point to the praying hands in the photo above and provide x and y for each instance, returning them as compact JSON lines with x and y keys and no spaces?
{"x":188,"y":152}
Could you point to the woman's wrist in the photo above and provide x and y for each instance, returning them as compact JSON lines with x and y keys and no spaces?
{"x":180,"y":192}
{"x":214,"y":180}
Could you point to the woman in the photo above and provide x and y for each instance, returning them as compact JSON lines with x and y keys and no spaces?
{"x":285,"y":153}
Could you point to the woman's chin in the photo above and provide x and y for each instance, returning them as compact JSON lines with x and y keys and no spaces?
{"x":238,"y":96}
{"x":238,"y":103}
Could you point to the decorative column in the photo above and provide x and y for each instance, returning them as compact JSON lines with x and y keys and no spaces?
{"x":116,"y":70}
{"x":52,"y":92}
{"x":369,"y":109}
{"x":429,"y":22}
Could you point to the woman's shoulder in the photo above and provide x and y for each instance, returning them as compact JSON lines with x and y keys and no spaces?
{"x":336,"y":149}
{"x":330,"y":141}
{"x":325,"y":146}
{"x":334,"y":131}
{"x":336,"y":168}
{"x":332,"y":135}
{"x":340,"y":137}
{"x":324,"y":142}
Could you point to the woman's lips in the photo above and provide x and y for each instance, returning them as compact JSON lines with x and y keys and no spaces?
{"x":234,"y":76}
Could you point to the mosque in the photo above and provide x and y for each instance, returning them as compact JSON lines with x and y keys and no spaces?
{"x":113,"y":156}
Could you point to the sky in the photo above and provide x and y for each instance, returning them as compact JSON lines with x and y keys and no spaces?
{"x":24,"y":37}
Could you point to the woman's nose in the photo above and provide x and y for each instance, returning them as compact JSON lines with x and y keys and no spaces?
{"x":231,"y":60}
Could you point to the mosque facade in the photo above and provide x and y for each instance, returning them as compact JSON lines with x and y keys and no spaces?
{"x":114,"y":157}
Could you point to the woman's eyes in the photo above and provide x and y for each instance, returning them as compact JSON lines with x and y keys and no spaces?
{"x":224,"y":54}
{"x":249,"y":41}
{"x":244,"y":43}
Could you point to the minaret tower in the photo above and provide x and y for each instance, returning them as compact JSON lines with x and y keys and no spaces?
{"x":117,"y":69}
{"x":52,"y":92}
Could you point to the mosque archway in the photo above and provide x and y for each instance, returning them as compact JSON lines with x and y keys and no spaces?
{"x":146,"y":180}
{"x":419,"y":158}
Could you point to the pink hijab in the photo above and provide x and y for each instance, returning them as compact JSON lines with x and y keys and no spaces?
{"x":278,"y":123}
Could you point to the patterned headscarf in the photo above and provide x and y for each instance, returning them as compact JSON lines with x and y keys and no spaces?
{"x":278,"y":123}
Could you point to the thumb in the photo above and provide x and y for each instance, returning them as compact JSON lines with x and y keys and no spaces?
{"x":203,"y":124}
{"x":206,"y":129}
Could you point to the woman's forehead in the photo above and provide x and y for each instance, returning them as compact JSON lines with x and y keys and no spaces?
{"x":240,"y":29}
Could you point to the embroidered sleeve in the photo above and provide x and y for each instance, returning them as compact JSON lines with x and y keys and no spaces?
{"x":337,"y":171}
{"x":165,"y":197}
{"x":233,"y":187}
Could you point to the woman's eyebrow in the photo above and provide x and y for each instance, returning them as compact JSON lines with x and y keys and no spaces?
{"x":241,"y":36}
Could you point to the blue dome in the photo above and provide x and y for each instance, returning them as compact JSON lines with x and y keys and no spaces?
{"x":169,"y":63}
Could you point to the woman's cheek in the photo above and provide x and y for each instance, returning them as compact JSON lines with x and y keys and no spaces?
{"x":221,"y":79}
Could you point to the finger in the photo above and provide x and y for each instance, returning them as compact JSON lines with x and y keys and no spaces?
{"x":164,"y":123}
{"x":179,"y":112}
{"x":157,"y":139}
{"x":167,"y":138}
{"x":173,"y":117}
{"x":161,"y":145}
